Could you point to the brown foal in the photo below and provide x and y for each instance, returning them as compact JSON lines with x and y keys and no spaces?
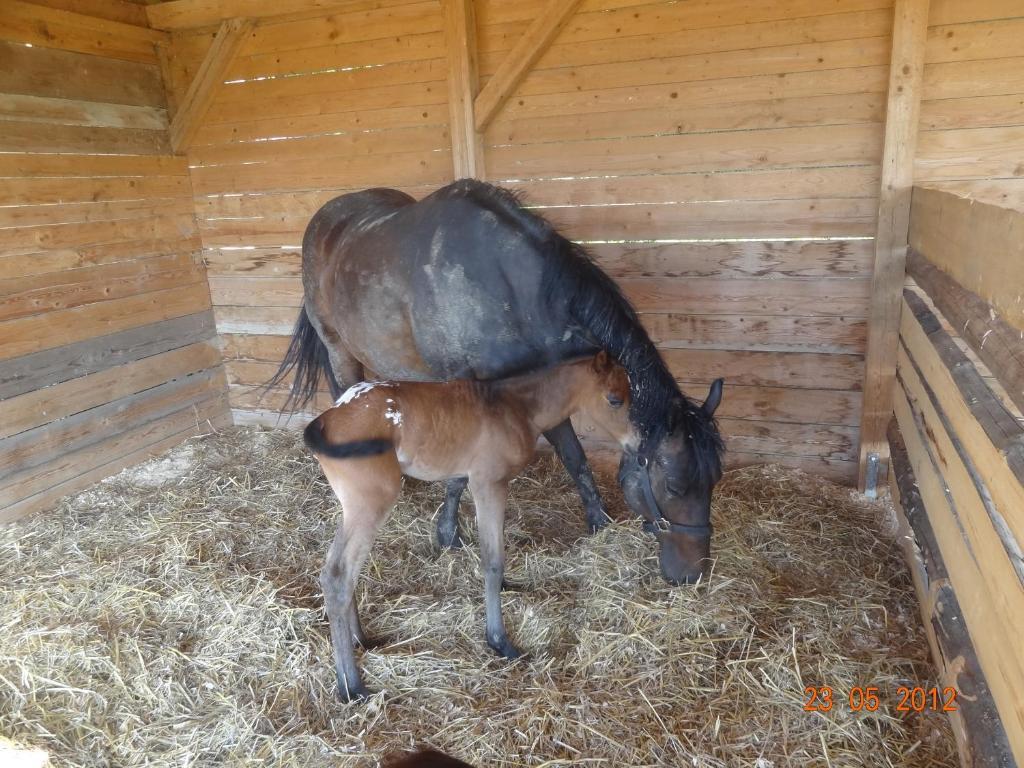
{"x":484,"y":431}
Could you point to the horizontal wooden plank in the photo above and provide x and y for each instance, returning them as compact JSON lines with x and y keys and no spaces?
{"x":760,"y":36}
{"x":948,"y":230}
{"x":97,"y":353}
{"x":844,"y":109}
{"x":311,"y":125}
{"x":767,"y":219}
{"x":29,"y":261}
{"x":21,"y":453}
{"x":969,"y":153}
{"x":46,"y":72}
{"x":74,"y":471}
{"x":979,"y":571}
{"x":315,"y":173}
{"x":746,"y":62}
{"x":701,"y":94}
{"x":42,"y":406}
{"x":318,"y":59}
{"x":415,"y":139}
{"x":255,"y":320}
{"x":63,"y":236}
{"x":80,"y":213}
{"x":21,"y":165}
{"x":766,"y":333}
{"x":54,"y":329}
{"x":978,"y":40}
{"x":20,"y":136}
{"x":45,"y":109}
{"x":50,"y":191}
{"x":962,"y":79}
{"x":24,"y":22}
{"x":1005,"y":193}
{"x":737,"y":150}
{"x":186,"y":14}
{"x":988,"y":441}
{"x":977,"y":112}
{"x":26,"y":296}
{"x":956,"y":12}
{"x":124,"y":11}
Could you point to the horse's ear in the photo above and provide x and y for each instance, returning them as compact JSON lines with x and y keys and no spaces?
{"x":602,"y":363}
{"x":714,"y":397}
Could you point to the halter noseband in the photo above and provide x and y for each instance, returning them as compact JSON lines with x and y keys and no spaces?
{"x":654,"y":516}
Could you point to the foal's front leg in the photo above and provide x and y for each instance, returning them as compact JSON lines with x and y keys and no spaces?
{"x":568,"y":449}
{"x":490,"y":498}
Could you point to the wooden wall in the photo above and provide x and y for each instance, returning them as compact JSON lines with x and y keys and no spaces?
{"x":721,"y":162}
{"x":105,"y":323}
{"x":971,"y":138}
{"x":958,"y":402}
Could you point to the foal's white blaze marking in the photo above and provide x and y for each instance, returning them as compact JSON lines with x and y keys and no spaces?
{"x":356,"y":390}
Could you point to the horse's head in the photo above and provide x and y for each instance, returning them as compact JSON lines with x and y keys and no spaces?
{"x":669,"y":481}
{"x":606,"y":400}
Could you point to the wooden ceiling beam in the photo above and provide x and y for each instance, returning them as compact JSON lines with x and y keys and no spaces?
{"x":530,"y":47}
{"x":208,"y":80}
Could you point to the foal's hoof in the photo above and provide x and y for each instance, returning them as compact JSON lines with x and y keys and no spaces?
{"x":505,"y":649}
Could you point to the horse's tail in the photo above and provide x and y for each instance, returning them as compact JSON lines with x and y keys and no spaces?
{"x":307,"y":354}
{"x":317,"y":443}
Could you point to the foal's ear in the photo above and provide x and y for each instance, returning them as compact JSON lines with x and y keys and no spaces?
{"x":602,"y":363}
{"x":714,"y":397}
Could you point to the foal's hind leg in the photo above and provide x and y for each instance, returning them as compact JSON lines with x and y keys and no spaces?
{"x":567,"y":447}
{"x":367,"y":490}
{"x":490,"y":499}
{"x":448,"y":534}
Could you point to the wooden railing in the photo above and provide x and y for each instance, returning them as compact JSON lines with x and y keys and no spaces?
{"x":958,"y":458}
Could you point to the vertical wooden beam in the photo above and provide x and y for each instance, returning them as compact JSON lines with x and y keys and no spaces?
{"x":517,"y":62}
{"x":906,"y":71}
{"x":460,"y":40}
{"x":208,"y":80}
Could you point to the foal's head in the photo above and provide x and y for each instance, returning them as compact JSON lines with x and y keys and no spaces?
{"x":605,"y":399}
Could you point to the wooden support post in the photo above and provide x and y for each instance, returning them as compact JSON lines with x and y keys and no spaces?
{"x":906,"y":71}
{"x":531,"y":46}
{"x":208,"y":79}
{"x":460,"y":40}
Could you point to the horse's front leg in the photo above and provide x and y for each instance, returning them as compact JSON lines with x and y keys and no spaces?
{"x":448,"y":534}
{"x":490,"y":498}
{"x":568,"y":449}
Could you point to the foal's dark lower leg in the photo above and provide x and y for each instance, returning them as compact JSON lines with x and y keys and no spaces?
{"x":567,"y":447}
{"x":448,"y":535}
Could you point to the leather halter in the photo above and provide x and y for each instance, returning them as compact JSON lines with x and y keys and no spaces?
{"x":654,"y":516}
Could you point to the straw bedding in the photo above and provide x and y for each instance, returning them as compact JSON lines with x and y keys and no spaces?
{"x":171,"y":616}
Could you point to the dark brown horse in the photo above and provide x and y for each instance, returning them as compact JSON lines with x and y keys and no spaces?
{"x":484,"y":431}
{"x":467,"y":284}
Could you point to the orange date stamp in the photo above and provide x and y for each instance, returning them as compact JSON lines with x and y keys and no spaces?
{"x":822,"y":698}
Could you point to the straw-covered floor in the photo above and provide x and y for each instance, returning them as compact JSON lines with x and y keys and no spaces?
{"x":172,"y":616}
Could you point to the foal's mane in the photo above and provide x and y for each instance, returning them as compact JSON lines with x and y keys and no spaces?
{"x":608,"y":320}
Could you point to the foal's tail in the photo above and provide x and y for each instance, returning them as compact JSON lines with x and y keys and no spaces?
{"x":307,"y":354}
{"x":317,"y":443}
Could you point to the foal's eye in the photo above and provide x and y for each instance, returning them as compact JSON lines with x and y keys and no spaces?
{"x":614,"y":401}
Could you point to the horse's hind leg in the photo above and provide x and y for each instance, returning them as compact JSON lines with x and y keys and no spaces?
{"x":490,"y":499}
{"x":448,"y":534}
{"x":570,"y":452}
{"x":367,"y":497}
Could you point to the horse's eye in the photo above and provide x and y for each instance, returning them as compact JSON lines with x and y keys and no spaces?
{"x":614,"y":401}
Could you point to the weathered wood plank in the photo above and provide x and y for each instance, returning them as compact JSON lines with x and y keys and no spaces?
{"x":27,"y":335}
{"x":27,"y":262}
{"x":92,"y":355}
{"x":981,"y":737}
{"x":20,"y":136}
{"x":47,"y":72}
{"x":188,"y":14}
{"x":42,"y":406}
{"x":20,"y":165}
{"x":906,"y":70}
{"x":48,"y":191}
{"x":72,"y":471}
{"x":123,"y":11}
{"x":46,"y":109}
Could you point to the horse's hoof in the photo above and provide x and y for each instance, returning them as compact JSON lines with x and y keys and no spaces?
{"x":353,"y":694}
{"x":506,"y":650}
{"x":452,"y":541}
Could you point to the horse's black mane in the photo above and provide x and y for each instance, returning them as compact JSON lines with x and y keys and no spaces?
{"x":609,"y":321}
